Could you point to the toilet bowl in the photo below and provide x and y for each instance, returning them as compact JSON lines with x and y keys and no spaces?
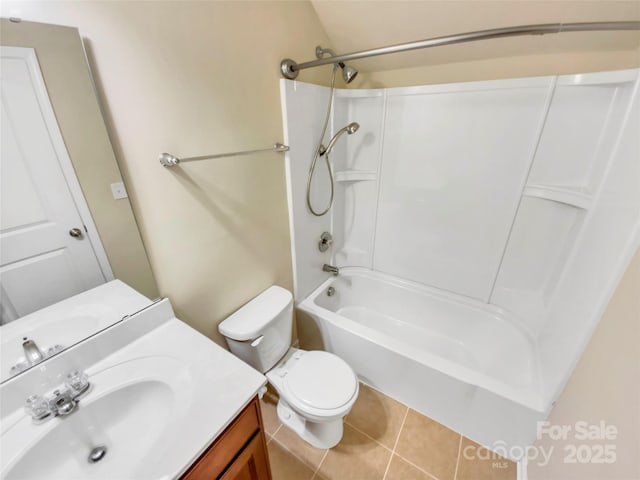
{"x":317,"y":389}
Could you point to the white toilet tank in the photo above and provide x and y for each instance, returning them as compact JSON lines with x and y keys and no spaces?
{"x":260,"y":332}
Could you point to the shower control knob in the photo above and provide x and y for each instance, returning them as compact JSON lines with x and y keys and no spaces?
{"x":325,"y":241}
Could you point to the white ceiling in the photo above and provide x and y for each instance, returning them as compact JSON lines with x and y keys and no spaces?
{"x":361,"y":25}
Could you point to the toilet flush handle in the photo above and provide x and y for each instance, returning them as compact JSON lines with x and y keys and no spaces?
{"x":257,"y":341}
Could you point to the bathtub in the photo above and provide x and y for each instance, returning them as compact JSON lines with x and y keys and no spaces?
{"x":468,"y":365}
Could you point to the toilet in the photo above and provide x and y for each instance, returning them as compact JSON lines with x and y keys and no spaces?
{"x":317,"y":389}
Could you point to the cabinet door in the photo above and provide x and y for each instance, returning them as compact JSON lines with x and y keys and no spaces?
{"x":251,"y":464}
{"x":243,"y":441}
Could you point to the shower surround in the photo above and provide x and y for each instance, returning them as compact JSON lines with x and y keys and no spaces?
{"x":480,"y":228}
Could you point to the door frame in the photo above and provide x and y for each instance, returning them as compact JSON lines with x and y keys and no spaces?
{"x":64,"y":160}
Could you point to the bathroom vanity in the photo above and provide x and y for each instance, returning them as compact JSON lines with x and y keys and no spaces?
{"x":163,"y":402}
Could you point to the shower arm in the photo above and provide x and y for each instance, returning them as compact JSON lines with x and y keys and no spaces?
{"x":290,"y":69}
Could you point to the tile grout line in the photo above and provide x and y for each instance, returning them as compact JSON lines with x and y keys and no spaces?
{"x":393,"y":451}
{"x":455,"y":475}
{"x":300,"y":459}
{"x":320,"y":464}
{"x":417,"y":467}
{"x":271,"y":437}
{"x":369,"y":437}
{"x":395,"y":444}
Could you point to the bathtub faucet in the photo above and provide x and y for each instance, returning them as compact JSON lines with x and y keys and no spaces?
{"x":331,"y":269}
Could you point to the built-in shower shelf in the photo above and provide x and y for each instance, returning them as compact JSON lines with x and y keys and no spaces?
{"x":355,"y":175}
{"x":575,"y":197}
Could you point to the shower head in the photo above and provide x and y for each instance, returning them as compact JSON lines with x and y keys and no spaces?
{"x":350,"y":129}
{"x":348,"y":72}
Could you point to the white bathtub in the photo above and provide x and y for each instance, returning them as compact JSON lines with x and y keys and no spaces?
{"x":463,"y":363}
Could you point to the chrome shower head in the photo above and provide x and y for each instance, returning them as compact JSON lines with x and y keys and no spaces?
{"x":348,"y":73}
{"x":350,"y":129}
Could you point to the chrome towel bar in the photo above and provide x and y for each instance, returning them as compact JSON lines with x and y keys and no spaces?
{"x":169,"y":160}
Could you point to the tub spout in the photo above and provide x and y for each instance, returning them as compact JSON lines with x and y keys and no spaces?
{"x":331,"y":269}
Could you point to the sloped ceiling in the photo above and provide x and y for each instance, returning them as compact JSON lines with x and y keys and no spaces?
{"x":361,"y":25}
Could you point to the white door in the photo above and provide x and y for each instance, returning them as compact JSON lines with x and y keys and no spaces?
{"x":46,"y":253}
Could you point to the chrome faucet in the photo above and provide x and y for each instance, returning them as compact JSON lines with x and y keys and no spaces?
{"x":62,"y":401}
{"x":32,"y":353}
{"x":331,"y":269}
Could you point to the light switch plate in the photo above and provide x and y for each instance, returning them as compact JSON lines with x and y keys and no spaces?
{"x":118,"y":190}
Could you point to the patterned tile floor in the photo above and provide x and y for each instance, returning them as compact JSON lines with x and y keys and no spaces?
{"x":384,"y":440}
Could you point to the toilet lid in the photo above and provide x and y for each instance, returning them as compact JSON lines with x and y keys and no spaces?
{"x":321,"y":380}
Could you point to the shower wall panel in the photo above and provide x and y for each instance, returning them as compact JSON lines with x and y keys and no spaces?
{"x":303,"y":108}
{"x":608,"y":240}
{"x":356,"y":163}
{"x":586,"y":116}
{"x":454,"y":161}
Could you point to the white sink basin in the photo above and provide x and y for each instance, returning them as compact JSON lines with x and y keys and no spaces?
{"x":155,"y":404}
{"x":63,"y":451}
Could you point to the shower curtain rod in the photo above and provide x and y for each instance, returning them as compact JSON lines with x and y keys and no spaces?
{"x":290,"y":69}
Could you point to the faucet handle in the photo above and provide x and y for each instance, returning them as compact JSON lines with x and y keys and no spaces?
{"x":37,"y":407}
{"x":326,"y":240}
{"x":77,"y":381}
{"x":51,"y":351}
{"x":21,"y":366}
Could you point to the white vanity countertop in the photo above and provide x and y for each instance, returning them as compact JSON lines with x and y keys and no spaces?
{"x":161,"y":394}
{"x":226,"y":385}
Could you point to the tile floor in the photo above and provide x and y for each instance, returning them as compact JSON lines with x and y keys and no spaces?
{"x":383,"y":439}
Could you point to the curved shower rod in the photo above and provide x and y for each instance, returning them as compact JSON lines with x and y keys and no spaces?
{"x":290,"y":69}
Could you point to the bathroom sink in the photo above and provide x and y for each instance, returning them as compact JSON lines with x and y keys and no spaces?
{"x":105,"y":424}
{"x":105,"y":418}
{"x":156,"y":401}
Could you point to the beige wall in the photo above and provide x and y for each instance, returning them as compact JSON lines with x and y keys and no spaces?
{"x":68,"y":80}
{"x":605,"y":386}
{"x":193,"y":78}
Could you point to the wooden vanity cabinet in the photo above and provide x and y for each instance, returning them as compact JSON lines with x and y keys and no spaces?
{"x":239,"y":453}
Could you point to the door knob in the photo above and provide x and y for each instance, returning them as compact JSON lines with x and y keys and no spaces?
{"x":75,"y":232}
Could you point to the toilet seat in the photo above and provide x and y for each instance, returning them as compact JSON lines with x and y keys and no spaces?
{"x":316,"y":383}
